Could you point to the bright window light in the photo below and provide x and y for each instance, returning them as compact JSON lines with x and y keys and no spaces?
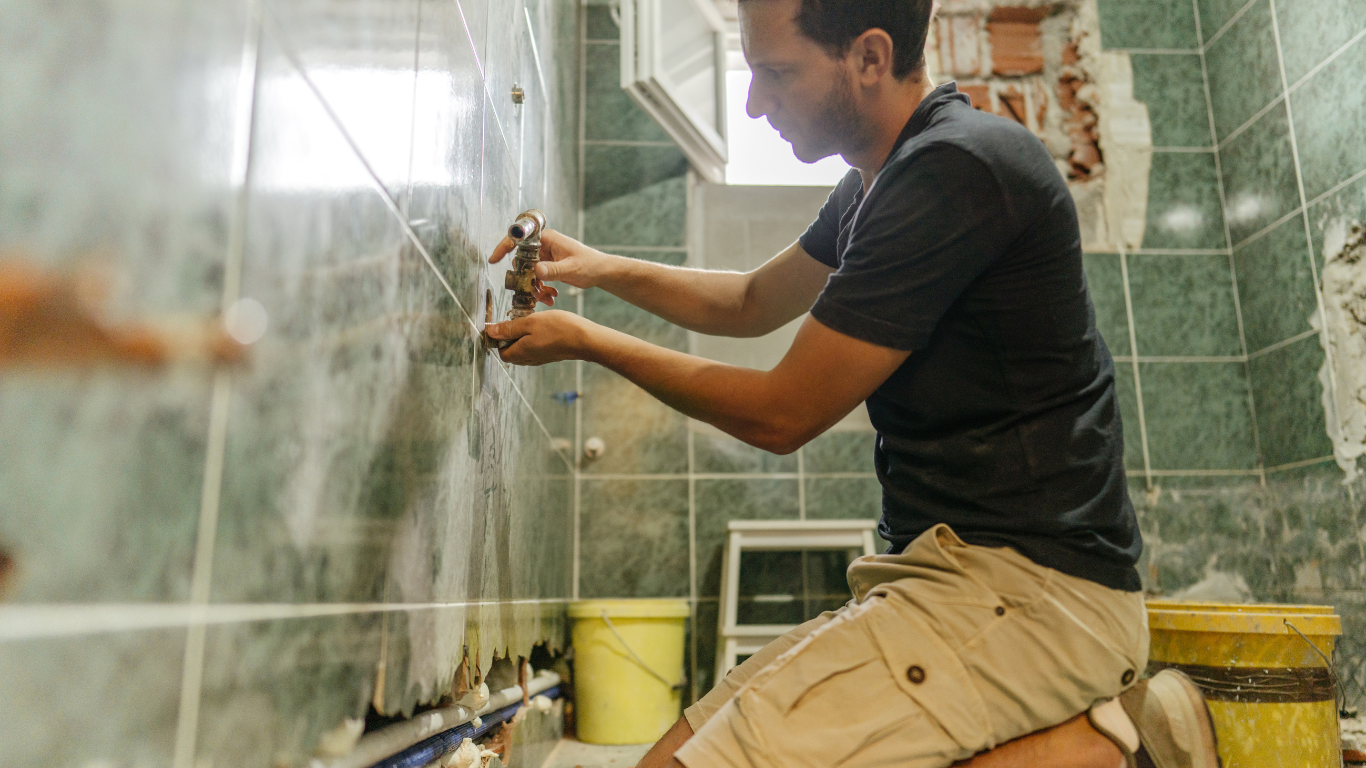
{"x":758,"y":155}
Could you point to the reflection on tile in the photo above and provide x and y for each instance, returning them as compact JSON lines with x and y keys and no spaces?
{"x":1183,"y":202}
{"x":840,"y":451}
{"x":1128,"y":414}
{"x":1312,"y":30}
{"x":269,"y":687}
{"x":642,"y":435}
{"x":1259,"y":175}
{"x":1183,"y":305}
{"x":1147,"y":24}
{"x":614,"y":115}
{"x":721,"y":453}
{"x":720,"y":501}
{"x":1244,"y":70}
{"x":1289,"y":398}
{"x":1329,"y":112}
{"x":1105,"y":283}
{"x":1173,"y":87}
{"x":1198,"y":416}
{"x":843,"y":498}
{"x":633,"y":538}
{"x":653,"y":216}
{"x":123,"y":688}
{"x":1276,"y":286}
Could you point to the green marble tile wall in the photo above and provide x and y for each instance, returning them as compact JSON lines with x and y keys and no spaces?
{"x":1234,"y":443}
{"x":215,"y":569}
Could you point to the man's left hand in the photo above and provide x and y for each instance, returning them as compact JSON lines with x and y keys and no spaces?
{"x":543,"y":337}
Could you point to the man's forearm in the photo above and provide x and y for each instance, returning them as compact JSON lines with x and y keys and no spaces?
{"x":739,"y":401}
{"x":705,"y":301}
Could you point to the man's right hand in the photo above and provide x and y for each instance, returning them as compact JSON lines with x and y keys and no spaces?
{"x":563,"y":260}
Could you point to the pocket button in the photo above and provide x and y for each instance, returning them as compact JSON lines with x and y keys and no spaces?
{"x":916,"y":675}
{"x":1127,"y":677}
{"x":1000,"y":610}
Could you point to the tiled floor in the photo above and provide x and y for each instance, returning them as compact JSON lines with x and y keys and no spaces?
{"x":576,"y":754}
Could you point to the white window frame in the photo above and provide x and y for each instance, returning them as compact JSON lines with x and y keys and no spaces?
{"x":643,"y":76}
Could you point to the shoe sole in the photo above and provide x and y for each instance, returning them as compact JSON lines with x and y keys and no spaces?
{"x":1181,"y":696}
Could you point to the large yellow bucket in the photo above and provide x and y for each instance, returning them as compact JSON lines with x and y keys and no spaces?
{"x":1269,"y":690}
{"x":628,"y":668}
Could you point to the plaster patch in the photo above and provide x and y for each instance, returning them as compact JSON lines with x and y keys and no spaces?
{"x":1343,"y":375}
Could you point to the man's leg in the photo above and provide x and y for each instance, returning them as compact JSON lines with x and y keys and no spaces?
{"x":1074,"y":744}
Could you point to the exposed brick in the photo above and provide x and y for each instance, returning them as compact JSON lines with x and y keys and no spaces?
{"x":1020,"y":14}
{"x":1011,"y":103}
{"x":960,"y":48}
{"x":1016,"y":46}
{"x":979,"y":93}
{"x":1070,"y":55}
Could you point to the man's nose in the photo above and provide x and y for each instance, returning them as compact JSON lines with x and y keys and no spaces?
{"x":756,"y":106}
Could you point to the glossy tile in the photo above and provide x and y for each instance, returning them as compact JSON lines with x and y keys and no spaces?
{"x":1183,"y":306}
{"x":843,"y":498}
{"x":655,"y":215}
{"x":642,"y":435}
{"x":123,"y":687}
{"x":268,"y":691}
{"x":1276,"y":286}
{"x":1289,"y":398}
{"x":720,"y":501}
{"x":360,"y":64}
{"x":1328,"y":112}
{"x":1198,"y":416}
{"x":704,"y":625}
{"x":840,"y":451}
{"x":508,"y":64}
{"x":721,"y":453}
{"x":613,"y":115}
{"x":1215,"y":14}
{"x":1259,"y":175}
{"x":1173,"y":87}
{"x":1127,"y":395}
{"x":1105,"y":283}
{"x":612,"y":172}
{"x":1147,"y":24}
{"x":633,"y":538}
{"x":600,"y":22}
{"x":605,"y":309}
{"x":1244,"y":70}
{"x":1183,"y":202}
{"x":1312,"y":30}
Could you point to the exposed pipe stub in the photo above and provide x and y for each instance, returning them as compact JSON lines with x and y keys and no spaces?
{"x":526,"y":230}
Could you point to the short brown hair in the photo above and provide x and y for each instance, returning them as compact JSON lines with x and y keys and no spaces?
{"x":835,"y":24}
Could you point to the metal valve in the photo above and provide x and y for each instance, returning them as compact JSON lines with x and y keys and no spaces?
{"x":526,"y":232}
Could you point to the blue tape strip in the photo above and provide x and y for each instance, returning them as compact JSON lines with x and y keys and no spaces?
{"x":433,"y":747}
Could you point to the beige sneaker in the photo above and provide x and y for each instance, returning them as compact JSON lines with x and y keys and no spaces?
{"x":1172,"y":723}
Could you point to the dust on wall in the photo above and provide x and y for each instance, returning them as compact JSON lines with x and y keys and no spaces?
{"x":1041,"y":65}
{"x":1343,"y":285}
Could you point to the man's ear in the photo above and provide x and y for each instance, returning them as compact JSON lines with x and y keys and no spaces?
{"x":872,"y":56}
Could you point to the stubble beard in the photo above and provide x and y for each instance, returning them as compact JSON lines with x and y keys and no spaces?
{"x":837,"y":129}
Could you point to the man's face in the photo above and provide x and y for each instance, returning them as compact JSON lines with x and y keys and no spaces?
{"x":806,"y":94}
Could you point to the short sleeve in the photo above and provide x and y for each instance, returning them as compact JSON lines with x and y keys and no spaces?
{"x":931,"y":225}
{"x":821,"y":239}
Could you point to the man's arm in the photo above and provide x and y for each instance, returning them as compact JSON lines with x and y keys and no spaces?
{"x":823,"y":377}
{"x":713,"y":302}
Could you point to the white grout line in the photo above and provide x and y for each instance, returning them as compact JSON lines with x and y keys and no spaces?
{"x":27,"y":622}
{"x":1224,"y":141}
{"x":1228,"y":236}
{"x":1331,"y":58}
{"x":801,"y":483}
{"x":581,"y":24}
{"x":1156,"y":51}
{"x":1181,"y":358}
{"x":1138,"y":381}
{"x":1268,"y":349}
{"x":626,"y":143}
{"x":1304,"y":208}
{"x":1207,"y":473}
{"x":1302,"y":463}
{"x":1185,"y":150}
{"x":201,"y":580}
{"x":1204,"y":46}
{"x":736,"y":476}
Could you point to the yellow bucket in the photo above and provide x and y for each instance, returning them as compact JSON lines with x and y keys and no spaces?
{"x":1269,"y":690}
{"x":628,"y":668}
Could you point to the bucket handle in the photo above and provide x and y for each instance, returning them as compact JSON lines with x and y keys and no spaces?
{"x":672,"y":686}
{"x":1332,"y":670}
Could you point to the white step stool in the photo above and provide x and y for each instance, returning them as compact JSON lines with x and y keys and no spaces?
{"x":734,"y":640}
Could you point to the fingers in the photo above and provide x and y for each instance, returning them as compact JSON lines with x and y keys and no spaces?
{"x":504,"y":247}
{"x":510,"y":329}
{"x":545,"y":294}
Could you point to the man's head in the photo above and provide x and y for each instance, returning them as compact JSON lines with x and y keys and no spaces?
{"x":822,"y":67}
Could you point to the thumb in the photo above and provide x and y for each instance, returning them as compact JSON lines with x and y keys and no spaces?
{"x":551,"y":270}
{"x":510,"y":329}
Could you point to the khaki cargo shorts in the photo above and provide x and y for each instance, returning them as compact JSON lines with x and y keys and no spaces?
{"x":947,"y":650}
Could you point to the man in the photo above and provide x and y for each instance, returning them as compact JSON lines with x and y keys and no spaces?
{"x":945,"y":289}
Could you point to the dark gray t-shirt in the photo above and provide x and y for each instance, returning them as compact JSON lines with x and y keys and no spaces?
{"x":1003,"y":422}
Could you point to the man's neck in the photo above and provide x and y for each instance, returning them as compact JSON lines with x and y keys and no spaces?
{"x":886,"y":123}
